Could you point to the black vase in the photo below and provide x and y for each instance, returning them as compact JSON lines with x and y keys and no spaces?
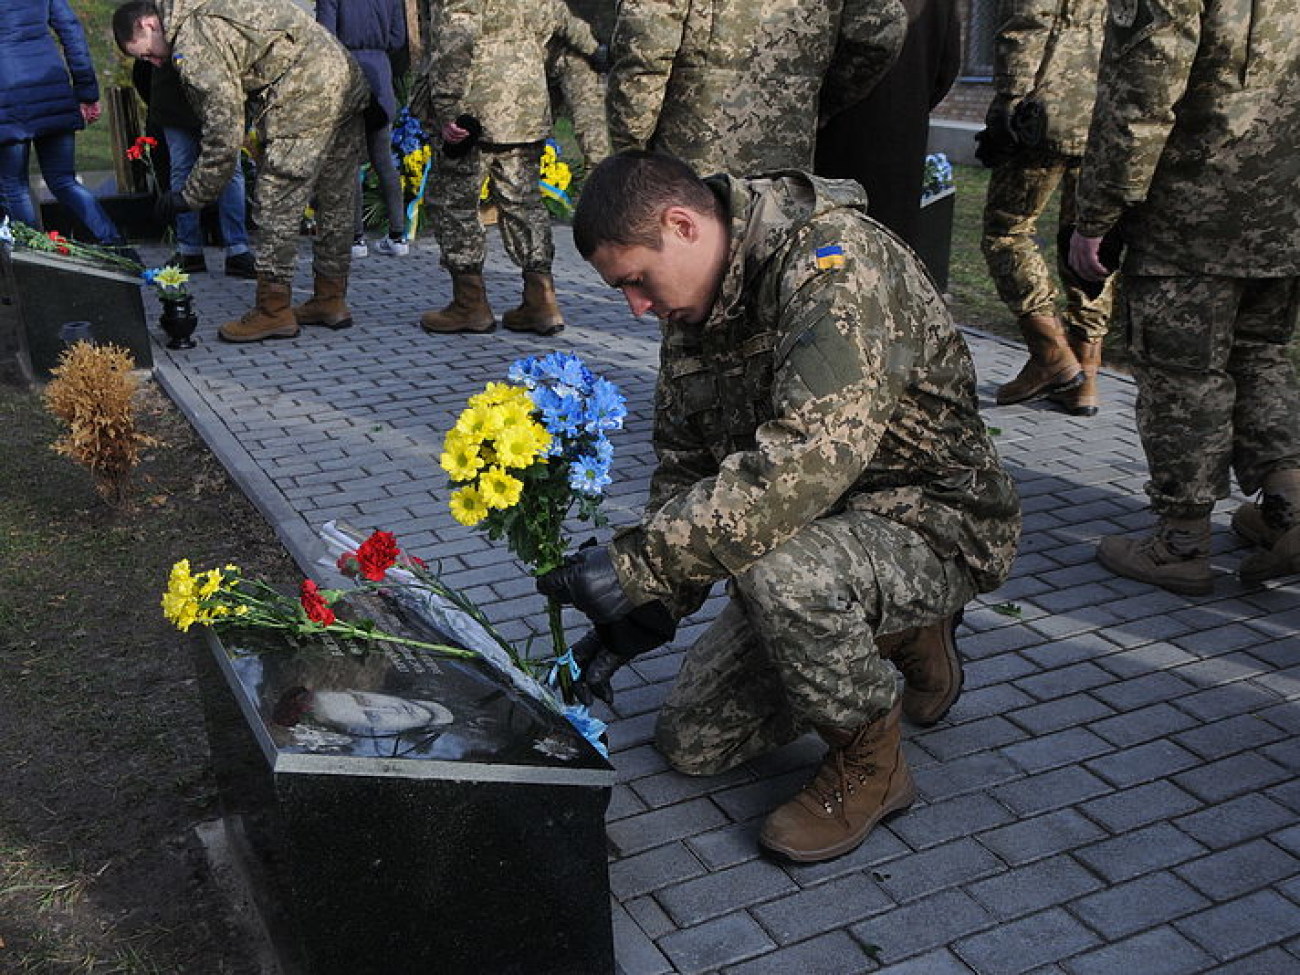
{"x":179,"y":321}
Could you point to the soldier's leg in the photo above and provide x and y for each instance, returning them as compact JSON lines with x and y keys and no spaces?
{"x":1019,"y":191}
{"x":524,"y":220}
{"x":1180,"y":331}
{"x":453,"y":199}
{"x":336,"y":195}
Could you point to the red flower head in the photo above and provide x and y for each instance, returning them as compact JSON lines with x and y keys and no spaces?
{"x":60,"y":242}
{"x":148,"y":140}
{"x":134,"y":152}
{"x":377,"y":554}
{"x":318,"y":610}
{"x":349,"y":565}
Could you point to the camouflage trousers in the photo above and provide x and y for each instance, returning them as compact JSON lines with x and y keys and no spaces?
{"x":795,"y":646}
{"x":524,"y":220}
{"x":1019,"y":192}
{"x":1217,"y":387}
{"x":319,"y":163}
{"x":584,"y":94}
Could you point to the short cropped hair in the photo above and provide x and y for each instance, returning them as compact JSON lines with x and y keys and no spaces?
{"x":128,"y":16}
{"x":625,"y":195}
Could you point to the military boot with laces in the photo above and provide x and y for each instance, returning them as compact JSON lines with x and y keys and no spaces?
{"x":863,"y":778}
{"x":927,"y":658}
{"x":1176,"y":557}
{"x":1273,"y":525}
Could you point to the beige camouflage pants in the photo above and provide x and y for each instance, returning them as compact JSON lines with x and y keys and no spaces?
{"x":524,"y":220}
{"x":1019,"y":192}
{"x":1217,"y":388}
{"x":319,"y":163}
{"x":795,"y":646}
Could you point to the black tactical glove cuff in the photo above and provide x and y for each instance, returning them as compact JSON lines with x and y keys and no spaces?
{"x":168,"y":205}
{"x":588,"y":582}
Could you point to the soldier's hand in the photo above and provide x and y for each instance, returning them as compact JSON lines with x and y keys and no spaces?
{"x":168,"y":205}
{"x":587,"y":581}
{"x":599,"y":59}
{"x":1085,"y":257}
{"x":608,"y":646}
{"x":996,"y":143}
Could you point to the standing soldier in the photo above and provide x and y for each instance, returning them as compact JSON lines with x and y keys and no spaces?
{"x":1193,"y":156}
{"x":485,"y":91}
{"x":582,"y":90}
{"x":741,"y":87}
{"x":820,"y":449}
{"x":1045,"y":80}
{"x":306,"y":95}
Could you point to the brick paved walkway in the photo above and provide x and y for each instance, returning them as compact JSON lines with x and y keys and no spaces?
{"x":1115,"y":792}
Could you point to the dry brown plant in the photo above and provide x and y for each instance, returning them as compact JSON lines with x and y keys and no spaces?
{"x":93,"y":392}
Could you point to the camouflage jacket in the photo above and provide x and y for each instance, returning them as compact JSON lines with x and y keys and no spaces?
{"x":740,"y":86}
{"x":267,"y":55}
{"x":488,"y":59}
{"x":828,"y":376}
{"x":1045,"y":56}
{"x":1193,"y":147}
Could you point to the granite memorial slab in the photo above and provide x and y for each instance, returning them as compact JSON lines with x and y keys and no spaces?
{"x":401,"y":811}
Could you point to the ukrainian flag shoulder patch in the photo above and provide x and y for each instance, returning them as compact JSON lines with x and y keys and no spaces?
{"x":829,"y":256}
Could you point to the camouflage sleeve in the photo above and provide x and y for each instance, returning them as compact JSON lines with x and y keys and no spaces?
{"x":647,"y":36}
{"x":572,"y":31}
{"x":451,"y":58}
{"x":1024,"y":28}
{"x":838,"y":377}
{"x":871,"y":35}
{"x":1145,"y":64}
{"x":210,"y":55}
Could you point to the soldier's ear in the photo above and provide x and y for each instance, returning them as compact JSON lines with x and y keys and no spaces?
{"x":682,"y":223}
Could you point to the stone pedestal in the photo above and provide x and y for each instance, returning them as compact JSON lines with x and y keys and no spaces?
{"x":404,"y":812}
{"x":51,"y":291}
{"x":934,"y":235}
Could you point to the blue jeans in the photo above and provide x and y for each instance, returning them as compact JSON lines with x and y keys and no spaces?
{"x":56,"y":155}
{"x":183,"y":147}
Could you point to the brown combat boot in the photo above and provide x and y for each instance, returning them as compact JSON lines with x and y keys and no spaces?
{"x":1052,"y":367}
{"x":269,"y":318}
{"x":1082,"y":400}
{"x":1273,"y":525}
{"x":468,"y":311}
{"x":927,"y":658}
{"x":327,"y":307}
{"x":863,"y":778}
{"x":540,"y":312}
{"x":1176,"y":557}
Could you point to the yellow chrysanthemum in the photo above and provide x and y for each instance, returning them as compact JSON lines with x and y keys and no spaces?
{"x":461,"y":457}
{"x":499,"y":490}
{"x":479,"y":422}
{"x":467,"y":506}
{"x":518,"y":446}
{"x":501,"y":394}
{"x":180,"y":603}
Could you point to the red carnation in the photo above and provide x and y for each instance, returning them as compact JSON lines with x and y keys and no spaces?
{"x":349,"y":565}
{"x":318,"y":610}
{"x":377,"y":554}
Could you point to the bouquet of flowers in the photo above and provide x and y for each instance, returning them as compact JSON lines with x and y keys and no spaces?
{"x":555,"y":179}
{"x":526,"y":455}
{"x":53,"y":242}
{"x":170,"y":281}
{"x":938,"y":176}
{"x":141,"y":151}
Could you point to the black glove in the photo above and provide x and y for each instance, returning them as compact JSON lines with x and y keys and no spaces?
{"x":168,"y":205}
{"x":599,"y":59}
{"x":1028,"y":123}
{"x":995,"y":143}
{"x":587,"y":581}
{"x":609,"y":646}
{"x":454,"y":150}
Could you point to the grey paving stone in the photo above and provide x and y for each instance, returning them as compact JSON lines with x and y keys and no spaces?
{"x":642,"y":873}
{"x":1227,"y":737}
{"x":1026,"y":889}
{"x":1141,"y":851}
{"x":1140,"y":805}
{"x":1272,"y":961}
{"x":727,"y":846}
{"x":923,"y":925}
{"x":1050,"y":790}
{"x":1160,"y":952}
{"x":1021,"y":945}
{"x":1142,"y":763}
{"x":1040,"y":836}
{"x":935,"y":823}
{"x":660,"y":826}
{"x":634,"y":953}
{"x":1144,"y":724}
{"x":935,"y":963}
{"x":816,"y":910}
{"x":1244,"y":925}
{"x":1063,"y":681}
{"x":1236,"y":820}
{"x":1217,"y":781}
{"x":1239,"y":870}
{"x":835,"y":953}
{"x":946,"y":743}
{"x":1065,"y":712}
{"x":723,"y":891}
{"x":1126,"y":908}
{"x":1056,"y":749}
{"x":649,"y":916}
{"x":941,"y":868}
{"x":972,"y":773}
{"x":715,"y":944}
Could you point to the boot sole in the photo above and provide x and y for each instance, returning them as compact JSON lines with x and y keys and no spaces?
{"x":541,"y":330}
{"x":464,"y":330}
{"x":900,"y":804}
{"x":1183,"y":587}
{"x":332,"y":326}
{"x":258,"y":338}
{"x":1047,"y":389}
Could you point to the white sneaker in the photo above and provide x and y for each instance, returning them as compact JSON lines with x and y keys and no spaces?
{"x":359,"y":248}
{"x":392,"y":248}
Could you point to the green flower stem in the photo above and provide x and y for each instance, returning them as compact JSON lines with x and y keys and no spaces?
{"x":561,"y":646}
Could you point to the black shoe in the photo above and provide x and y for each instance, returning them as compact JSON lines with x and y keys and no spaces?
{"x":241,"y":266}
{"x":189,"y":263}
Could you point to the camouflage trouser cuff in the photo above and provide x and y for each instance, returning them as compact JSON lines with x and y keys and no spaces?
{"x":537,"y":268}
{"x":469,"y":269}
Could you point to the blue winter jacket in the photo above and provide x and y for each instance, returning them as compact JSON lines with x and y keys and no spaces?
{"x":42,"y":85}
{"x":375,"y":32}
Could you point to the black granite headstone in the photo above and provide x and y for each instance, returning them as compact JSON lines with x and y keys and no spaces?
{"x":405,"y":812}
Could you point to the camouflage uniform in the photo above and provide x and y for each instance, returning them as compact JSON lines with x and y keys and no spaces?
{"x":739,"y":86}
{"x":1193,"y":154}
{"x":305,"y":95}
{"x":820,"y":447}
{"x":583,"y":93}
{"x":489,"y":61}
{"x":1045,"y":78}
